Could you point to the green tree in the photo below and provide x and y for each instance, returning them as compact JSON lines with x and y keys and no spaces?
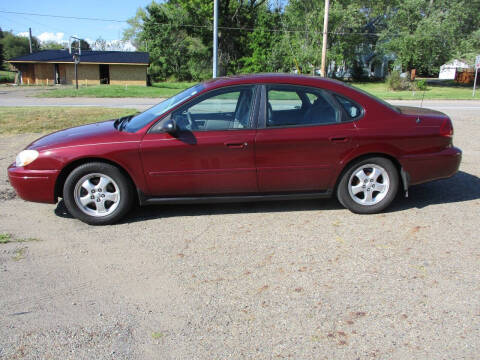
{"x":133,"y":33}
{"x":52,"y":45}
{"x":14,"y":46}
{"x":257,"y":36}
{"x":261,"y":43}
{"x":1,"y":49}
{"x":173,"y":51}
{"x":468,"y":48}
{"x":425,"y":34}
{"x":178,"y":36}
{"x":352,"y":31}
{"x":236,"y":19}
{"x":84,"y":45}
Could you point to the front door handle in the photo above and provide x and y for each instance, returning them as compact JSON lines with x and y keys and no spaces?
{"x":341,"y":139}
{"x":236,"y":145}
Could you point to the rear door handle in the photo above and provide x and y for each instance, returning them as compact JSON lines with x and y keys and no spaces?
{"x":236,"y":145}
{"x":339,"y":139}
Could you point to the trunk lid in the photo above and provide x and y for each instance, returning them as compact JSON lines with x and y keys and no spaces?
{"x":416,"y":111}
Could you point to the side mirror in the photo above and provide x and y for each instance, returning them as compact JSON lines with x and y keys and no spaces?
{"x":170,"y":126}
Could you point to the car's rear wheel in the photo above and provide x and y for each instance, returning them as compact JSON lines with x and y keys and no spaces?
{"x":97,"y":193}
{"x":368,"y":186}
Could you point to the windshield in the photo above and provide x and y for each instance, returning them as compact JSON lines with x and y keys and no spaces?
{"x":139,"y":121}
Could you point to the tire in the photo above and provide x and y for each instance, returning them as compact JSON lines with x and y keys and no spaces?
{"x":368,"y":186}
{"x":98,"y":193}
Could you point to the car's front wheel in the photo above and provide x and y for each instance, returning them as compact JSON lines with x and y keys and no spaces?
{"x":368,"y":186}
{"x":97,"y":193}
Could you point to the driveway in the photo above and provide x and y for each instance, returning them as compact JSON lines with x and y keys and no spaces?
{"x":293,"y":280}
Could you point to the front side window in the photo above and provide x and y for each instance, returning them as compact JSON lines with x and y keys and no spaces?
{"x":225,"y":109}
{"x":297,"y":106}
{"x":139,"y":121}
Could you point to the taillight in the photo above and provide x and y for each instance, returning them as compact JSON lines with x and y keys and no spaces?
{"x":446,"y":129}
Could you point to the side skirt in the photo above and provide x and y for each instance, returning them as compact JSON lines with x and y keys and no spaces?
{"x":146,"y":200}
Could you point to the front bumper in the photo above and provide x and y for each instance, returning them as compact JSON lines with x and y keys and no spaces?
{"x":34,"y":185}
{"x":432,"y":166}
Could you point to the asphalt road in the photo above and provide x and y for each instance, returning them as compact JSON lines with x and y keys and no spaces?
{"x":11,"y":96}
{"x":287,"y":280}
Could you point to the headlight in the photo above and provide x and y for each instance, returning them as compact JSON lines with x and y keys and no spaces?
{"x":26,"y":157}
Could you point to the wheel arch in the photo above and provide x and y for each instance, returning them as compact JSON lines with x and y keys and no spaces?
{"x":62,"y":177}
{"x":401,"y":172}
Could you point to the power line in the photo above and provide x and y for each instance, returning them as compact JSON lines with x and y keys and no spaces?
{"x":180,"y":25}
{"x":62,"y":16}
{"x":209,"y":26}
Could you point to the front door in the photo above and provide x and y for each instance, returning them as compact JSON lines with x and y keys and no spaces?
{"x":213,"y":151}
{"x":303,"y":139}
{"x":104,"y":70}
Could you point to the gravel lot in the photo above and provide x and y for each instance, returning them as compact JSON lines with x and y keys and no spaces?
{"x":299,"y":280}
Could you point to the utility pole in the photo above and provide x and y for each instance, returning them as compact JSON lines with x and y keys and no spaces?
{"x":76,"y":56}
{"x":30,"y":38}
{"x":215,"y":37}
{"x":325,"y":31}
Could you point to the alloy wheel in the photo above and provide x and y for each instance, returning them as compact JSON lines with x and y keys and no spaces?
{"x":97,"y":195}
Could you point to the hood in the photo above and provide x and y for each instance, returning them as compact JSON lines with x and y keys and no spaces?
{"x":81,"y":135}
{"x":416,"y":111}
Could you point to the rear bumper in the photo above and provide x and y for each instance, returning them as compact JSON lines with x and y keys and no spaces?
{"x":34,"y":185}
{"x":427,"y":167}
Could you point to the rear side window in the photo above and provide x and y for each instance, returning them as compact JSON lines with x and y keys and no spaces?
{"x":284,"y":100}
{"x":353,"y":110}
{"x":290,"y":105}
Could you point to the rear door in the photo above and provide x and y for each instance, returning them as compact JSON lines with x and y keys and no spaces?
{"x":212,"y":153}
{"x":304,"y":135}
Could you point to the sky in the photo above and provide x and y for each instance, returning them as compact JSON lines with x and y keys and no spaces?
{"x":57,"y":29}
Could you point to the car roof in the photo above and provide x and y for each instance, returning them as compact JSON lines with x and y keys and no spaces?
{"x":336,"y":86}
{"x":307,"y":80}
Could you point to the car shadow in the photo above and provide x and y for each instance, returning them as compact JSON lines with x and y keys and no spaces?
{"x":166,"y":211}
{"x":459,"y":188}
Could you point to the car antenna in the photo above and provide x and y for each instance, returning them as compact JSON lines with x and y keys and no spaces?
{"x":423,"y":97}
{"x":421,"y":106}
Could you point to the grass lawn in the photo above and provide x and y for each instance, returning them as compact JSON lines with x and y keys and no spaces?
{"x":158,"y":90}
{"x":18,"y":120}
{"x":447,"y":90}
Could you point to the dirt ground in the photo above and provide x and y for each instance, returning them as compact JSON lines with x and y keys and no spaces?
{"x":296,"y":280}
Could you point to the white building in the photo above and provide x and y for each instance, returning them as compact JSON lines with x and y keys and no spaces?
{"x":449,"y":71}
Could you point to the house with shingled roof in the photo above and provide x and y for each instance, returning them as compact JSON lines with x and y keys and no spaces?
{"x":96,"y":67}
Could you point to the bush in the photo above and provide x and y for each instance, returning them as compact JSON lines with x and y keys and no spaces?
{"x":396,"y":82}
{"x":421,"y":85}
{"x":7,"y":76}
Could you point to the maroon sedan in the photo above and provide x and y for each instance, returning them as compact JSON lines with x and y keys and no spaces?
{"x":256,"y":137}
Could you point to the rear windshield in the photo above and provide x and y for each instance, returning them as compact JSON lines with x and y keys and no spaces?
{"x":390,"y":106}
{"x":142,"y":119}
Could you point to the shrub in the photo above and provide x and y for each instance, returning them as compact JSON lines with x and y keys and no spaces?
{"x":421,"y":85}
{"x":396,"y":82}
